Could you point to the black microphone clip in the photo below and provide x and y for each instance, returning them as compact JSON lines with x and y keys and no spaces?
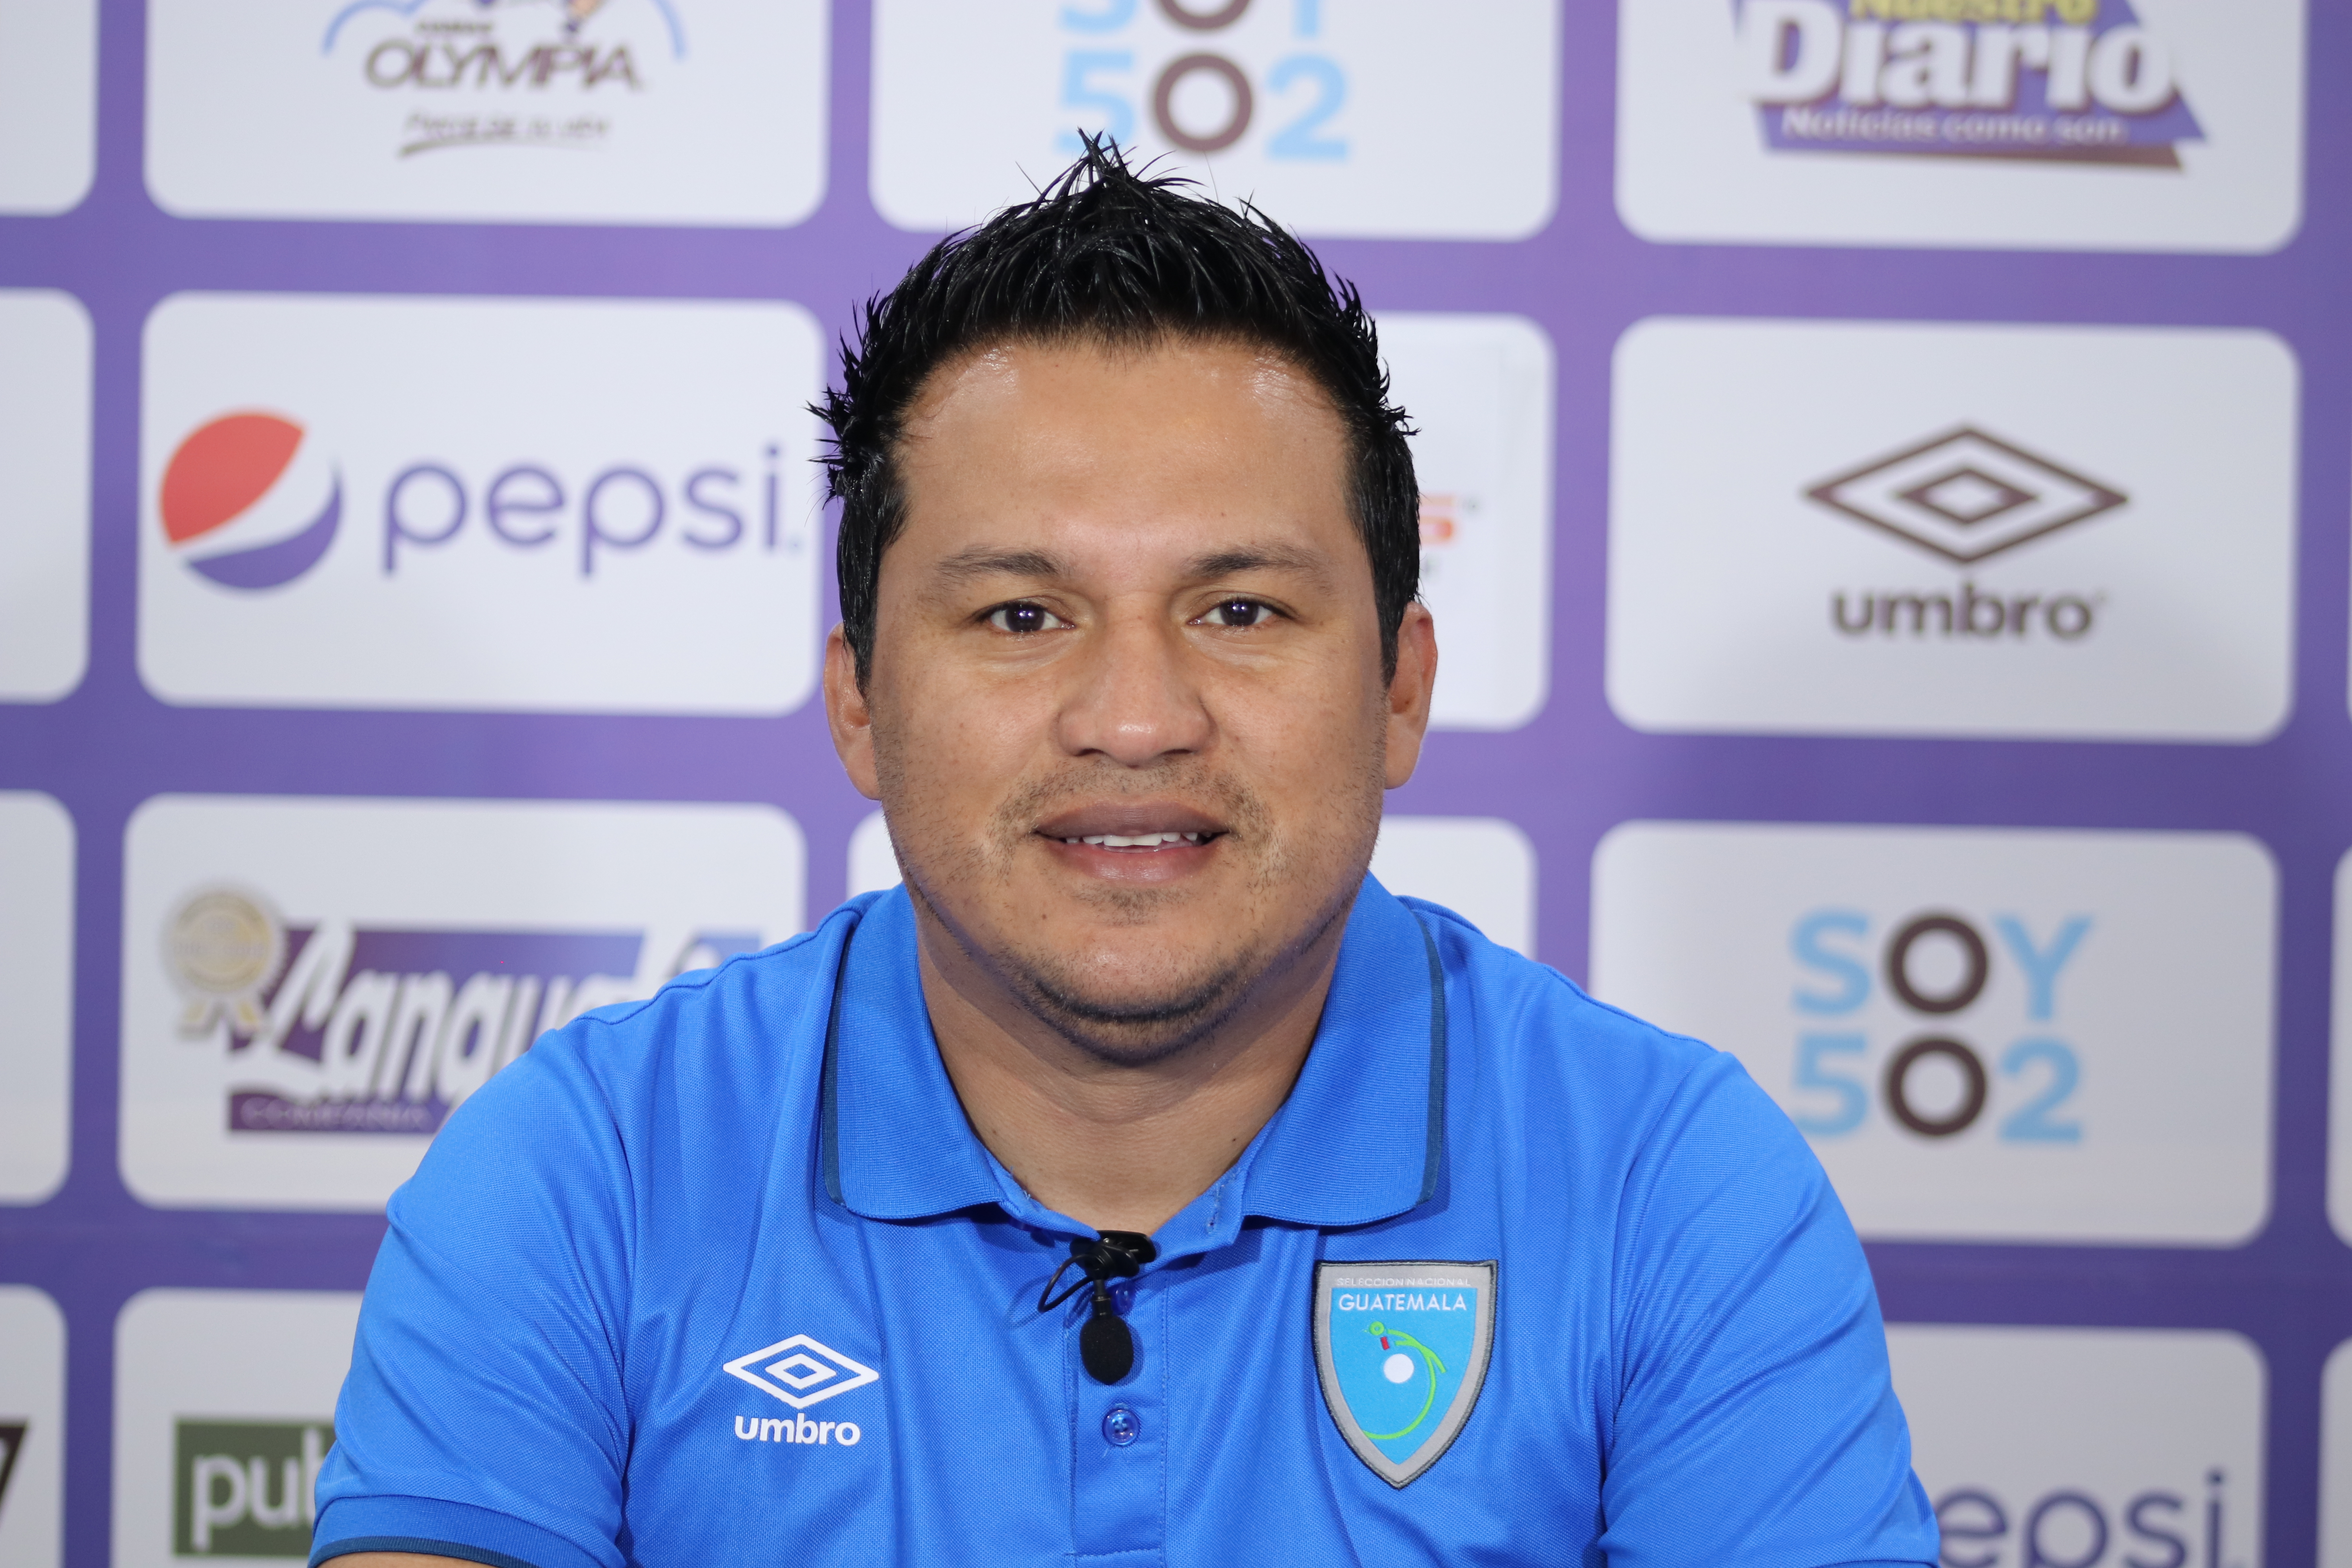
{"x":1106,"y":1344}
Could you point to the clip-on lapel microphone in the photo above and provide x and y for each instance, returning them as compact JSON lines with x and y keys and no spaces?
{"x":1105,"y":1345}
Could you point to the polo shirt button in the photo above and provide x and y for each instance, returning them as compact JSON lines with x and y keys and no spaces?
{"x":1121,"y":1426}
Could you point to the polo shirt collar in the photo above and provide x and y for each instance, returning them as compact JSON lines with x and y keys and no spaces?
{"x":1361,"y":1138}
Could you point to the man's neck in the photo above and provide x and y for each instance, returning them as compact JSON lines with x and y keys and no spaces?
{"x":1118,"y":1147}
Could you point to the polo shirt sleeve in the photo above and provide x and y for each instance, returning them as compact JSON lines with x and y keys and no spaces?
{"x":1756,"y":1421}
{"x":484,"y":1417}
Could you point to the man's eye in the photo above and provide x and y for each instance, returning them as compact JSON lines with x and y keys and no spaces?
{"x":1239,"y":612}
{"x":1024,"y":619}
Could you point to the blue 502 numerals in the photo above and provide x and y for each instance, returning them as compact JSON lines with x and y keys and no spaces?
{"x":1936,"y":968}
{"x":1103,"y":92}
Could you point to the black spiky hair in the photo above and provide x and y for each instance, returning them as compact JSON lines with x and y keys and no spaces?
{"x":1117,"y":254}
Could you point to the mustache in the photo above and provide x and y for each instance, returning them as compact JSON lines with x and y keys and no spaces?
{"x":1241,"y":808}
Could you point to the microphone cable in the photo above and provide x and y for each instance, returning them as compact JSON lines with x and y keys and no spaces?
{"x":1106,"y":1344}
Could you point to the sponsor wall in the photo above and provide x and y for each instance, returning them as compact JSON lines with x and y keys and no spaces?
{"x":1887,"y":472}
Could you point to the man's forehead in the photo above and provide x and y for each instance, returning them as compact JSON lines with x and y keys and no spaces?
{"x":996,"y":378}
{"x":1049,"y":461}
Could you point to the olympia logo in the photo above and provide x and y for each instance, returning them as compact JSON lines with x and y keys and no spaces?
{"x":477,"y":86}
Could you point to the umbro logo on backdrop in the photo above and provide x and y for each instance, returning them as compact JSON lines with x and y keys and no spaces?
{"x":1965,"y":496}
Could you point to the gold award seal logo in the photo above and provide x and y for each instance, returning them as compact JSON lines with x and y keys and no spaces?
{"x":224,"y":947}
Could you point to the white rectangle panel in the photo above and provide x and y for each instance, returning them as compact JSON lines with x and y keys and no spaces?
{"x":33,"y":1412}
{"x":584,"y":505}
{"x":2084,"y":1050}
{"x":1896,"y":529}
{"x":45,"y":420}
{"x":309,"y":986}
{"x":2045,"y":1447}
{"x":1374,"y":117}
{"x":49,"y":104}
{"x":2025,"y":157}
{"x":259,"y":1359}
{"x":37,"y":975}
{"x":1478,"y":390}
{"x":639,"y":111}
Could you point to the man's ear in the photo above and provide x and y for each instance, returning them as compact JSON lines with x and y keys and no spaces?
{"x":849,"y":716}
{"x":1409,"y":691}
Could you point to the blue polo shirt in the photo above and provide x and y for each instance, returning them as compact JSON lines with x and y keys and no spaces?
{"x":725,"y":1277}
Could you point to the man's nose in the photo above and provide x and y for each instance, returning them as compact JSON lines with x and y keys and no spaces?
{"x":1133,"y":697}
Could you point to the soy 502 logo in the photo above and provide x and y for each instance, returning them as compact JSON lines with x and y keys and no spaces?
{"x":1200,"y":97}
{"x":251,"y":500}
{"x":1951,"y":1064}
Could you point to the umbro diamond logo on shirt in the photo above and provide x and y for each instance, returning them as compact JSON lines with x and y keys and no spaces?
{"x":801,"y":1372}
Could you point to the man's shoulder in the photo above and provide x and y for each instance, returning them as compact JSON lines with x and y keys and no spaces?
{"x":727,"y":1043}
{"x":1541,"y":1057}
{"x":775,"y":999}
{"x":1531,"y":1013}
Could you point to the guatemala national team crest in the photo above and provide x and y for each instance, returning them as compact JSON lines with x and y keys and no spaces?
{"x":1401,"y":1349}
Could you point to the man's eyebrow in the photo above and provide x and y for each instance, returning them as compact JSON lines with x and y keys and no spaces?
{"x":1258,"y":558}
{"x":982,"y":561}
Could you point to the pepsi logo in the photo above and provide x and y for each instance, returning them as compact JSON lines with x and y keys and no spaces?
{"x":249,"y":502}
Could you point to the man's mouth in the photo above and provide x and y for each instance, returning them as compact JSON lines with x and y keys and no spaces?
{"x":1144,"y":829}
{"x":1140,"y":840}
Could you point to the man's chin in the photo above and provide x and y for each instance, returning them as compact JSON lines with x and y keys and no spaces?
{"x":1138,"y":1023}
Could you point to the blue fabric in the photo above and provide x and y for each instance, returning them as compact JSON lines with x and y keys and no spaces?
{"x":1688,"y":1362}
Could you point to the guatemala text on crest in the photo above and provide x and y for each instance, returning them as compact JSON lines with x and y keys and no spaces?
{"x":1401,"y":1350}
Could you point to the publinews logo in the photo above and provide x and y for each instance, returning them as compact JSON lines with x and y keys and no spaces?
{"x":1965,"y":496}
{"x":246,"y":1489}
{"x":340,"y":1026}
{"x":2071,"y":80}
{"x":530,"y":49}
{"x":249,"y":501}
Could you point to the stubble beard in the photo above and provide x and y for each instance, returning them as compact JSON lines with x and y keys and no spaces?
{"x":1137,"y":1021}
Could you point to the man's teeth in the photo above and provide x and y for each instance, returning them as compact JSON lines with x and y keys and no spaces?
{"x":1139,"y":840}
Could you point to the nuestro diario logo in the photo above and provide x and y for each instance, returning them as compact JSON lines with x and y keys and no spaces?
{"x":246,"y":1489}
{"x":342,"y":1026}
{"x":541,"y":64}
{"x":1965,"y":496}
{"x":2073,"y":81}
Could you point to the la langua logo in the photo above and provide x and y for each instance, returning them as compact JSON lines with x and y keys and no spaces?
{"x":249,"y":502}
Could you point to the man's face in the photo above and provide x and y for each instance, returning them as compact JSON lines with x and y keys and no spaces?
{"x":1126,"y":710}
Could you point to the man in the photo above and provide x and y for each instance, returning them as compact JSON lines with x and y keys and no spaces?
{"x":1143,"y":1181}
